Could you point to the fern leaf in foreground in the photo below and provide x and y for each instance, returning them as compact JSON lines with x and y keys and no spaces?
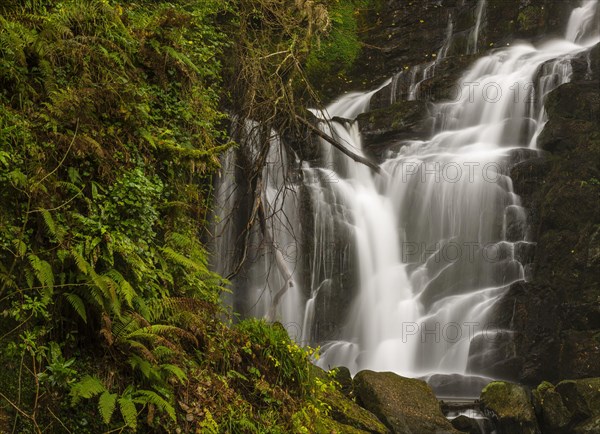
{"x":151,"y":397}
{"x":106,"y":405}
{"x":128,"y":411}
{"x":87,"y":387}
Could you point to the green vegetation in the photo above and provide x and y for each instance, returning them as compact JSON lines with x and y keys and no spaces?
{"x":338,"y":51}
{"x":530,"y":17}
{"x":112,"y":121}
{"x":335,"y":53}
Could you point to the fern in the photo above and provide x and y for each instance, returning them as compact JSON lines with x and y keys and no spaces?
{"x":20,"y":246}
{"x":150,"y":397}
{"x":128,"y":411}
{"x":174,"y":370}
{"x":53,"y":231}
{"x":44,"y":274}
{"x":106,"y":405}
{"x":123,"y":287}
{"x":80,"y":261}
{"x":86,"y":388}
{"x":77,"y":304}
{"x":183,"y":260}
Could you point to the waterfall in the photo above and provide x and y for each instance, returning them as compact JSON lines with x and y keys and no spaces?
{"x":417,"y":74}
{"x":403,"y":266}
{"x":472,"y":47}
{"x":438,"y":235}
{"x":269,"y":278}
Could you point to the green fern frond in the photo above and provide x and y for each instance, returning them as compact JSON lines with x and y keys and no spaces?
{"x":50,"y":225}
{"x":128,"y":411}
{"x":20,"y":246}
{"x":162,"y":330}
{"x":106,"y":405}
{"x":87,"y":387}
{"x":151,"y":397}
{"x":44,"y":274}
{"x":80,"y":261}
{"x":77,"y":304}
{"x":142,"y":349}
{"x":142,"y":365}
{"x":179,"y":240}
{"x":174,"y":370}
{"x":182,"y":260}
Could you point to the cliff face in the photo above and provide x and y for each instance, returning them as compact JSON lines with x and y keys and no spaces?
{"x":399,"y":33}
{"x":555,"y":316}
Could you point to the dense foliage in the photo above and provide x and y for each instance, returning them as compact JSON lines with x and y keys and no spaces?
{"x":112,"y":121}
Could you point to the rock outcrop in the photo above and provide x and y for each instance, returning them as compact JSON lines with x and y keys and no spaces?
{"x":344,"y":416}
{"x":404,"y":405}
{"x":573,"y":406}
{"x":510,"y":407}
{"x":556,"y":315}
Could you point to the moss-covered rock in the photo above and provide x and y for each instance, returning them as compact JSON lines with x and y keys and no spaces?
{"x":342,"y":375}
{"x":472,"y":426}
{"x":347,"y":412}
{"x":573,"y":406}
{"x":508,"y":404}
{"x":342,"y":410}
{"x":405,"y":405}
{"x":581,"y":397}
{"x":553,"y":414}
{"x":331,"y":426}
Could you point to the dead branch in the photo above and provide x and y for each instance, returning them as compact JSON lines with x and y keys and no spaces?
{"x":340,"y":147}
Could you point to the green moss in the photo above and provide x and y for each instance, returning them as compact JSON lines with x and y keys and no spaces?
{"x":349,"y":413}
{"x":510,"y":405}
{"x":531,"y":17}
{"x":336,"y":53}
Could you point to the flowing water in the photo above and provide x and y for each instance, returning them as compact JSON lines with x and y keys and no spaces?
{"x":401,"y":268}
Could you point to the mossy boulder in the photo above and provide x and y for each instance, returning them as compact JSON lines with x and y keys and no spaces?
{"x":348,"y":413}
{"x":404,"y":405}
{"x":509,"y":406}
{"x":472,"y":426}
{"x":330,"y":426}
{"x":553,"y":414}
{"x":344,"y":413}
{"x":572,"y":406}
{"x":342,"y":375}
{"x":581,"y":397}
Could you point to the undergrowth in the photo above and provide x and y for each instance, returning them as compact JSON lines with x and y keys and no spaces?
{"x":112,"y":122}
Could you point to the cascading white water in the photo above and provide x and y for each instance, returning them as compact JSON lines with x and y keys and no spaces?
{"x":434,"y":239}
{"x":270,"y":276}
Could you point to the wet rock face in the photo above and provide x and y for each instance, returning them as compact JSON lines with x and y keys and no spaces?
{"x":400,"y":33}
{"x":556,"y":315}
{"x":388,"y":127}
{"x":404,"y":405}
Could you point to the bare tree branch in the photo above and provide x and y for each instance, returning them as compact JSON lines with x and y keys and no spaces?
{"x":341,"y":148}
